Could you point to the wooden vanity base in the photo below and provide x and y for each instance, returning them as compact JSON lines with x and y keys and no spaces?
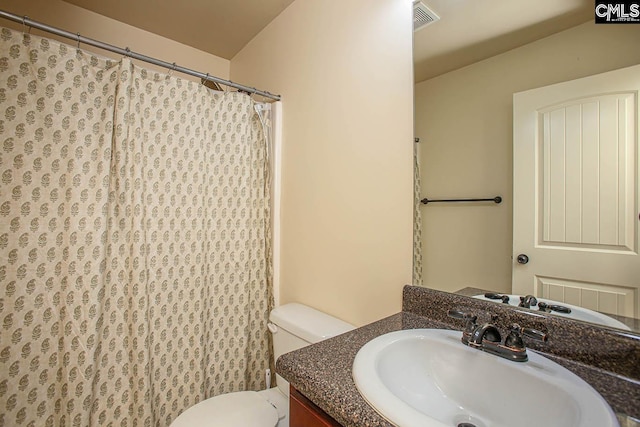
{"x":304,"y":413}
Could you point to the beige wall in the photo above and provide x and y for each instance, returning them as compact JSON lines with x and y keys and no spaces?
{"x":344,"y":70}
{"x":464,"y":119}
{"x":89,"y":24}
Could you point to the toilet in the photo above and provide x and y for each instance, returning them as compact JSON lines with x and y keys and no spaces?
{"x":293,"y":326}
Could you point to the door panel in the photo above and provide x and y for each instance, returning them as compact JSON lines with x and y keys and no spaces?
{"x":576,"y":191}
{"x":585,"y":174}
{"x":608,"y":299}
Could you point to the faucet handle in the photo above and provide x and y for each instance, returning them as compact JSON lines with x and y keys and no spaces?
{"x":514,"y":339}
{"x":492,"y":295}
{"x":535,"y":334}
{"x":464,"y":315}
{"x":543,"y":306}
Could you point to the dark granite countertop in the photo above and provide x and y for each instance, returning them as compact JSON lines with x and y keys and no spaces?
{"x":322,"y":371}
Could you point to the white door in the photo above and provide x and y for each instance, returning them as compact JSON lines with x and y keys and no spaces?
{"x":576,"y":192}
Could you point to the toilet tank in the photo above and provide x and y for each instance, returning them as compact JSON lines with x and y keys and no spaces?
{"x":296,"y":325}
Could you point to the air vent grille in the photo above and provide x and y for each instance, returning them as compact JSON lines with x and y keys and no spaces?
{"x":423,"y":16}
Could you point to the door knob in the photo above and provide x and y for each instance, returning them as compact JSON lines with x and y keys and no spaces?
{"x":522,"y":259}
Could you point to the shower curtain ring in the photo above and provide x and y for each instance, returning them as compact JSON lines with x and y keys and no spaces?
{"x":78,"y":39}
{"x":128,"y":52}
{"x":173,"y":68}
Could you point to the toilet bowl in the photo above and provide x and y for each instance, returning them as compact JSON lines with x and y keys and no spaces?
{"x":293,"y":326}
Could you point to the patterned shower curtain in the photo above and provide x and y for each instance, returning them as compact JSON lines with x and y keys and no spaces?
{"x":134,"y":212}
{"x":417,"y":217}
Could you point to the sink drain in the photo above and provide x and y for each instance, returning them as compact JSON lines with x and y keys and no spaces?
{"x":467,"y":420}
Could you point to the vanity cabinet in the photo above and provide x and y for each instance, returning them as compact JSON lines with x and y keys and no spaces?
{"x":304,"y":413}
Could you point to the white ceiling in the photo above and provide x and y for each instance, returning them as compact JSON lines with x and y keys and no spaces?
{"x":468,"y":31}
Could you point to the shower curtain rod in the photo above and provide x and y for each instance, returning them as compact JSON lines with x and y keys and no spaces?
{"x":127,"y":52}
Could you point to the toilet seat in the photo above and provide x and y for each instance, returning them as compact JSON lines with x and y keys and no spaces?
{"x":240,"y":409}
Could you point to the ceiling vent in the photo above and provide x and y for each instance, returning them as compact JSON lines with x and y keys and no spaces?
{"x":422,"y":16}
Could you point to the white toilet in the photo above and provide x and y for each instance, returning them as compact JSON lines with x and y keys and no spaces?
{"x":293,"y":326}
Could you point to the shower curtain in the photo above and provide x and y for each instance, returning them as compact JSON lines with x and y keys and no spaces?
{"x":417,"y":217}
{"x":134,"y":213}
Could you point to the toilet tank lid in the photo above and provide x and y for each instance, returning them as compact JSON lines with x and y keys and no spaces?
{"x":308,"y":323}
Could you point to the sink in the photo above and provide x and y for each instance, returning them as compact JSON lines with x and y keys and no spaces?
{"x":428,"y":378}
{"x":577,"y":313}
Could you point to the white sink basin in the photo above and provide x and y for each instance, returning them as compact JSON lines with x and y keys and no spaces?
{"x":428,"y":378}
{"x":577,"y":313}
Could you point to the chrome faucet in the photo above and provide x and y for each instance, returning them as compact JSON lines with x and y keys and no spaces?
{"x":487,"y":337}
